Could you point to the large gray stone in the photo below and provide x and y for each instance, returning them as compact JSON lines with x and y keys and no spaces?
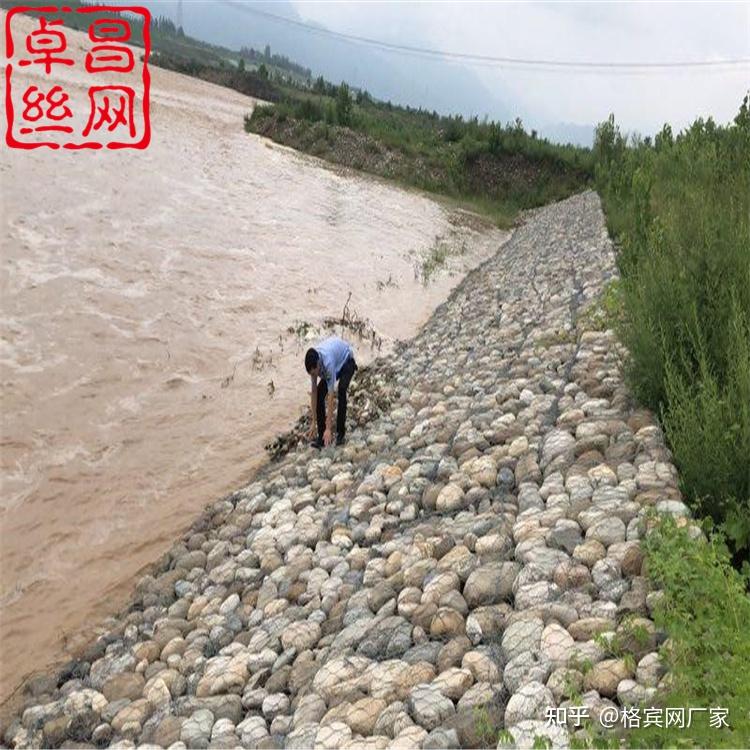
{"x":490,"y":584}
{"x":429,"y":707}
{"x":522,"y":635}
{"x":530,"y":702}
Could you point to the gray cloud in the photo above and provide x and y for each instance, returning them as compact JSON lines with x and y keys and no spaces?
{"x":645,"y":31}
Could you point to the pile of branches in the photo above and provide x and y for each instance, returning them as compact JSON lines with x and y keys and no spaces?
{"x":353,"y":322}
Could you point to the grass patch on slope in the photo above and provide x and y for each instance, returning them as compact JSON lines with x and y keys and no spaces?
{"x":706,"y":611}
{"x":679,"y":208}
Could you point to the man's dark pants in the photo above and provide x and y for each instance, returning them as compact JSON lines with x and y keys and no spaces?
{"x":344,"y":377}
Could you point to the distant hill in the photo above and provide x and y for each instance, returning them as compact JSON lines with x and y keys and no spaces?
{"x":448,"y":88}
{"x":430,"y":84}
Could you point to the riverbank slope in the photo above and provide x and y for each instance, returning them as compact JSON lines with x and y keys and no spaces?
{"x":468,"y":560}
{"x":150,"y":304}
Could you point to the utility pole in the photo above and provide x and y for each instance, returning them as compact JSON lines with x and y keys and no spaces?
{"x":179,"y":14}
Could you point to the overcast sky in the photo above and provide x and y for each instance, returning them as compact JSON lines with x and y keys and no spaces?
{"x":599,"y":31}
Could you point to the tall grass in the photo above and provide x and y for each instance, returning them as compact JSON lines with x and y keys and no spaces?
{"x":680,"y":209}
{"x":705,"y":609}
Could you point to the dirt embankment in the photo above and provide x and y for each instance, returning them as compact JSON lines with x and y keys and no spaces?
{"x":350,"y":148}
{"x":481,"y":174}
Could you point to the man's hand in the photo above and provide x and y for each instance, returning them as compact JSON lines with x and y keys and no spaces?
{"x":327,"y":437}
{"x":313,"y":431}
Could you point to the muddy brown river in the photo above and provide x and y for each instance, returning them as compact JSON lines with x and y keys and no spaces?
{"x":145,"y":353}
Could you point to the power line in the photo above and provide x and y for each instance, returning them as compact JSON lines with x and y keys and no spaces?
{"x":491,"y":60}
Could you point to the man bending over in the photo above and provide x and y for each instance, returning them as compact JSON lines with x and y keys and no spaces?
{"x":330,"y":361}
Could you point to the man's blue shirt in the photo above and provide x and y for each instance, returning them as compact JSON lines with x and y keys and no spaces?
{"x":333,"y":354}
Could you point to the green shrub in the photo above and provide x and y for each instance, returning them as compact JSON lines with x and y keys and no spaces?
{"x":309,"y":110}
{"x":707,"y":420}
{"x":706,"y":611}
{"x":680,"y":211}
{"x":343,"y":105}
{"x":470,"y":150}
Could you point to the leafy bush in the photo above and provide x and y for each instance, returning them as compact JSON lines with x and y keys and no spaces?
{"x":706,"y":612}
{"x":343,"y":105}
{"x":680,"y":210}
{"x":309,"y":110}
{"x":708,"y":425}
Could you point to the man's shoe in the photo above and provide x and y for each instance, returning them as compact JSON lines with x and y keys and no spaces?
{"x":340,"y":439}
{"x":317,"y":443}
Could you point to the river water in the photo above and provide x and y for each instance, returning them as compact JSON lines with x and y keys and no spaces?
{"x":145,"y":353}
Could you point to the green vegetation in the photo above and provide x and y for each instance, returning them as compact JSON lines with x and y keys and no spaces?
{"x":679,"y":207}
{"x":705,"y":610}
{"x":483,"y":166}
{"x":605,"y":312}
{"x":486,"y":730}
{"x":281,"y":62}
{"x":493,"y":169}
{"x":436,"y":258}
{"x":238,"y":78}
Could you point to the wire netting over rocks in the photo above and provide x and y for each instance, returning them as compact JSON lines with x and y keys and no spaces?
{"x":468,"y":562}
